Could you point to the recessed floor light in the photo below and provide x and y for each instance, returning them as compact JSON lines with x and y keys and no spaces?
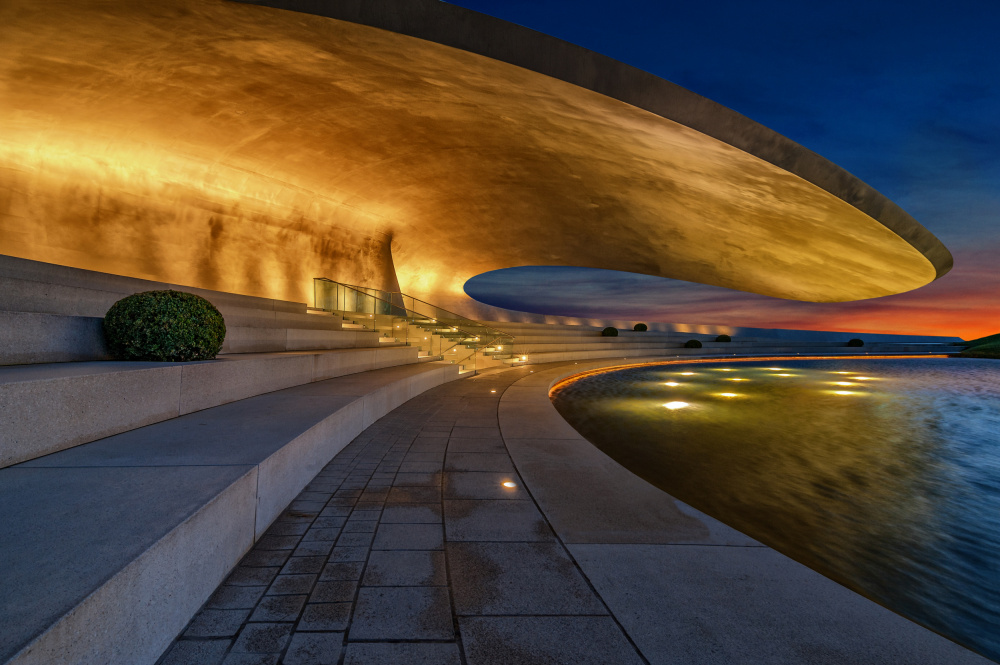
{"x":676,"y":405}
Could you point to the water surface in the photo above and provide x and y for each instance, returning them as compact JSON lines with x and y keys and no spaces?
{"x":883,"y":475}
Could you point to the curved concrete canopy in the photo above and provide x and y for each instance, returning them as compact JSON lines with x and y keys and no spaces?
{"x":250,"y":149}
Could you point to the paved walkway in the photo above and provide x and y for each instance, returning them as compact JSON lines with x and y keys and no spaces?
{"x":421,"y":544}
{"x":409,"y":548}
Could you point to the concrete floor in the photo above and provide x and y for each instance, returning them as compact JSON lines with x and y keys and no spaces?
{"x":408,"y":548}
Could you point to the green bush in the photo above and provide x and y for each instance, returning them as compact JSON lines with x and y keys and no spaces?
{"x":640,"y":327}
{"x":856,"y":342}
{"x":692,"y":344}
{"x":609,"y":332}
{"x":164,"y":326}
{"x":723,"y":338}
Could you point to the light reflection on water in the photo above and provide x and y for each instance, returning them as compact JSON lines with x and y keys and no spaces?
{"x":890,"y":485}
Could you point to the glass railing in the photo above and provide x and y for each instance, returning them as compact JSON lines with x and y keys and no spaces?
{"x":401,"y":318}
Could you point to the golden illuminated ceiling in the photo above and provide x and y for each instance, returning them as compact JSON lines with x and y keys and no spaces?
{"x":249,"y":149}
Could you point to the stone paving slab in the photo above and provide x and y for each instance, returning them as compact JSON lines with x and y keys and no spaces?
{"x":545,"y":640}
{"x":752,"y":605}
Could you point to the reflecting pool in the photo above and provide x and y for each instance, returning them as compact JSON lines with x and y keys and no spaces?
{"x":883,"y":475}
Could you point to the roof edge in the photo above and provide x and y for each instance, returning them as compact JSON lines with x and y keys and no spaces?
{"x":481,"y":34}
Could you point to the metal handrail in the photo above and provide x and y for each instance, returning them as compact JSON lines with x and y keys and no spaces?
{"x":377,"y":303}
{"x":458,"y":317}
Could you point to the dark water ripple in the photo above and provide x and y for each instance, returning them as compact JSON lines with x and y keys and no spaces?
{"x":892,"y":490}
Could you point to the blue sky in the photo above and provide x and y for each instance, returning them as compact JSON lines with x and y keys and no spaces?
{"x":905,"y":95}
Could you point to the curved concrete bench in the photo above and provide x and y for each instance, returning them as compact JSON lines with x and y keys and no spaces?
{"x":110,"y":547}
{"x":685,"y":587}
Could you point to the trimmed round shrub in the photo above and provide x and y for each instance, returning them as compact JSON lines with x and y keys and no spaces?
{"x":856,"y":342}
{"x":692,"y":344}
{"x":723,"y":338}
{"x":610,"y":331}
{"x":640,"y":327}
{"x":164,"y":326}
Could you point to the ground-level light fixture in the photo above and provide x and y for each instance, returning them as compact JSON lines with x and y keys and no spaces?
{"x":676,"y":405}
{"x":510,"y":483}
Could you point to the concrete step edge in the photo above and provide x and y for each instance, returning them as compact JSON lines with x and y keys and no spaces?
{"x":99,"y":399}
{"x":210,"y":540}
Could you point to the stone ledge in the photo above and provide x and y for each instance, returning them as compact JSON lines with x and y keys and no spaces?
{"x":110,"y":547}
{"x":51,"y":407}
{"x":684,"y":586}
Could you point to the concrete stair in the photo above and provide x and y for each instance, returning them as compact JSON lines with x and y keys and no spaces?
{"x":544,"y":343}
{"x":51,"y":313}
{"x":45,"y":408}
{"x":110,"y":547}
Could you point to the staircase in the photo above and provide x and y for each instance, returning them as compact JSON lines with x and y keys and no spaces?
{"x":402,"y":319}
